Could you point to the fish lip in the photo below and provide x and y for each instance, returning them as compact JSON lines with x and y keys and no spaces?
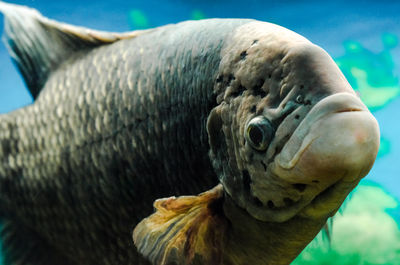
{"x":334,"y":104}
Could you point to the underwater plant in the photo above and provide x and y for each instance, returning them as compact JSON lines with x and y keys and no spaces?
{"x":364,"y":232}
{"x":371,"y":74}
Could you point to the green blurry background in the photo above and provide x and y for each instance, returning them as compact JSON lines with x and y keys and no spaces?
{"x":362,"y":37}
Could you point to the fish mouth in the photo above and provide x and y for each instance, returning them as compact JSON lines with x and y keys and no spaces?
{"x":330,"y":151}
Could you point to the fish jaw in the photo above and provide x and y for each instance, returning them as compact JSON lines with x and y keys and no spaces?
{"x":332,"y":149}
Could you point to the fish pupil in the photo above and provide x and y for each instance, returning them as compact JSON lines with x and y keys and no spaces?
{"x":256,"y":135}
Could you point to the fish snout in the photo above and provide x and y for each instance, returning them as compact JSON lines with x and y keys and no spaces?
{"x":332,"y":149}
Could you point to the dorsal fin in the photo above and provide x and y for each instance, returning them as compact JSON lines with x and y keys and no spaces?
{"x":39,"y":45}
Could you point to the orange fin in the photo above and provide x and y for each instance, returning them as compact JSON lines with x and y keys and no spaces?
{"x":184,"y":230}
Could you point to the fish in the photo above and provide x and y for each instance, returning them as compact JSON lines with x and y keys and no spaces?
{"x":218,"y":141}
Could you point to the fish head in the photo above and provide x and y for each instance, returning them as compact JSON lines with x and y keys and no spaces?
{"x":289,"y":136}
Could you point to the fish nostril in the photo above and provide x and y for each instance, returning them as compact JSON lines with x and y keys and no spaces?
{"x":271,"y":204}
{"x":288,"y":202}
{"x":243,"y":55}
{"x":299,"y":186}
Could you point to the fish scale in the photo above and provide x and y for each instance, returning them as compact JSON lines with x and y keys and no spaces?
{"x":102,"y":129}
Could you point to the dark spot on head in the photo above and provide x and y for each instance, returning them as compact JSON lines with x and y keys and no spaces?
{"x":253,"y":109}
{"x":257,"y":202}
{"x":259,"y":84}
{"x":288,"y":202}
{"x":260,"y":93}
{"x":269,"y":76}
{"x":297,"y":116}
{"x":299,"y":186}
{"x":246,"y":180}
{"x":301,"y":87}
{"x":315,"y":181}
{"x":271,"y":204}
{"x":264,"y":165}
{"x":219,"y":79}
{"x":257,"y":89}
{"x":231,"y":77}
{"x":239,"y":91}
{"x":243,"y":55}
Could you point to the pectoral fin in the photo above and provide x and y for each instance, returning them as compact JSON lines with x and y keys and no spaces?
{"x":184,"y":230}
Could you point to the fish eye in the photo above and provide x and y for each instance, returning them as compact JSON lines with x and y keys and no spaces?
{"x":259,"y":133}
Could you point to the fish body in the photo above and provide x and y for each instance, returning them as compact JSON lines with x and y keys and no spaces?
{"x":120,"y":120}
{"x":113,"y":129}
